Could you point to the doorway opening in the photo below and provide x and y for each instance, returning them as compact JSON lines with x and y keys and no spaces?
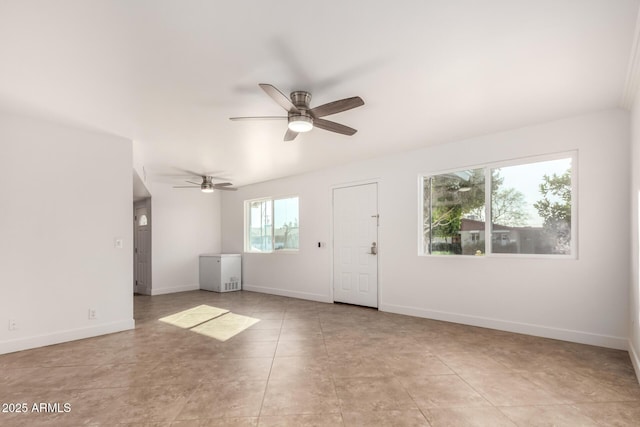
{"x":142,"y":247}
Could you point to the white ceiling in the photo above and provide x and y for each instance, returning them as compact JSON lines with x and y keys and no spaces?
{"x":169,"y":74}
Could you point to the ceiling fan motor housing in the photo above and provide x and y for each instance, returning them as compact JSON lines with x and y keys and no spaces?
{"x":207,"y":184}
{"x":301,"y":120}
{"x":301,"y":99}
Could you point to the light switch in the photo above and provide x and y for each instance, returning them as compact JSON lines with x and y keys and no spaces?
{"x":118,"y":243}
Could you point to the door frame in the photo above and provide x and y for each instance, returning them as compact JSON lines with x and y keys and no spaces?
{"x":331,"y":236}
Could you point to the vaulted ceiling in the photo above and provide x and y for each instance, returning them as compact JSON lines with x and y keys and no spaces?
{"x":168,"y":74}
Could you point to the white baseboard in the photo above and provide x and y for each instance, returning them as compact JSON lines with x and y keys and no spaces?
{"x":185,"y":288}
{"x":287,"y":293}
{"x":608,"y":341}
{"x":634,"y":354}
{"x":26,"y":343}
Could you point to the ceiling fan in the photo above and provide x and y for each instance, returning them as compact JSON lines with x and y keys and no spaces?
{"x":207,"y":185}
{"x":302,"y":118}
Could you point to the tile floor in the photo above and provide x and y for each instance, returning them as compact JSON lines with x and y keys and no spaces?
{"x":314,"y":364}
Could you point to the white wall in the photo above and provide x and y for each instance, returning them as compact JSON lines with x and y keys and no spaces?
{"x":139,"y":170}
{"x":634,"y":288}
{"x":583,"y":300}
{"x":186,"y":223}
{"x":65,"y":195}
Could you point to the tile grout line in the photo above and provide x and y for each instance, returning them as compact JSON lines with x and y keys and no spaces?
{"x":333,"y":383}
{"x":273,"y":358}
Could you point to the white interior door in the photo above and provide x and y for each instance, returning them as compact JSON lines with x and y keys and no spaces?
{"x":142,"y":250}
{"x":355,"y":232}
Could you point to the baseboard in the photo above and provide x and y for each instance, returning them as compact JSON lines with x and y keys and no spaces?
{"x":634,"y":354}
{"x":287,"y":293}
{"x":185,"y":288}
{"x":608,"y":341}
{"x":64,"y":336}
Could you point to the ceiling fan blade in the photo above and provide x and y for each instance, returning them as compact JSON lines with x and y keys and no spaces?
{"x":279,"y":97}
{"x":185,"y":186}
{"x":236,"y":119}
{"x":337,"y":106}
{"x":224,"y":184}
{"x":188,"y":172}
{"x":224,"y":188}
{"x":334,"y":127}
{"x":290,"y":135}
{"x":195,"y":183}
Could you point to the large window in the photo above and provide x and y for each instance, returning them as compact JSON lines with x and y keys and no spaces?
{"x":272,"y":225}
{"x":530,"y":204}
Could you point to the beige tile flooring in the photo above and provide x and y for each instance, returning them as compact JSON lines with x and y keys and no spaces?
{"x":314,"y":364}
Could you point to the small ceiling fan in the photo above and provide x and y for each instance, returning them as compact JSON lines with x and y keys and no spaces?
{"x":302,"y":118}
{"x":207,"y":185}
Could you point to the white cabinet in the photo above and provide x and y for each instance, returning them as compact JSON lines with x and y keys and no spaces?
{"x":221,"y":272}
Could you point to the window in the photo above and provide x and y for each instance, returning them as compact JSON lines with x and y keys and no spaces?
{"x":285,"y":224}
{"x":531,"y":208}
{"x":272,"y":225}
{"x":530,"y":205}
{"x":260,"y":228}
{"x":448,"y":198}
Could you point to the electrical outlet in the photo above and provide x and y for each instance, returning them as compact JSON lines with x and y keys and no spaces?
{"x":13,"y":324}
{"x":93,"y":314}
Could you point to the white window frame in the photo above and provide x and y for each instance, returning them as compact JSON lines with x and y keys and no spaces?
{"x":247,"y":229}
{"x":573,"y":155}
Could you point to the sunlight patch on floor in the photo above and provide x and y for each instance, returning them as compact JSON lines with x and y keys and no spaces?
{"x":187,"y":319}
{"x":225,"y":327}
{"x":210,"y":321}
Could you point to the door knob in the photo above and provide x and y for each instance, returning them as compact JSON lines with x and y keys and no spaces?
{"x":374,"y":249}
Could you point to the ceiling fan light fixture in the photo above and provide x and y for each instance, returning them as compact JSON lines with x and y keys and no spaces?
{"x":207,"y":187}
{"x":300,"y":123}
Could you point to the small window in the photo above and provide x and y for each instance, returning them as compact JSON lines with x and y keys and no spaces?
{"x":272,"y":225}
{"x":142,"y":220}
{"x":260,"y":227}
{"x":285,"y":226}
